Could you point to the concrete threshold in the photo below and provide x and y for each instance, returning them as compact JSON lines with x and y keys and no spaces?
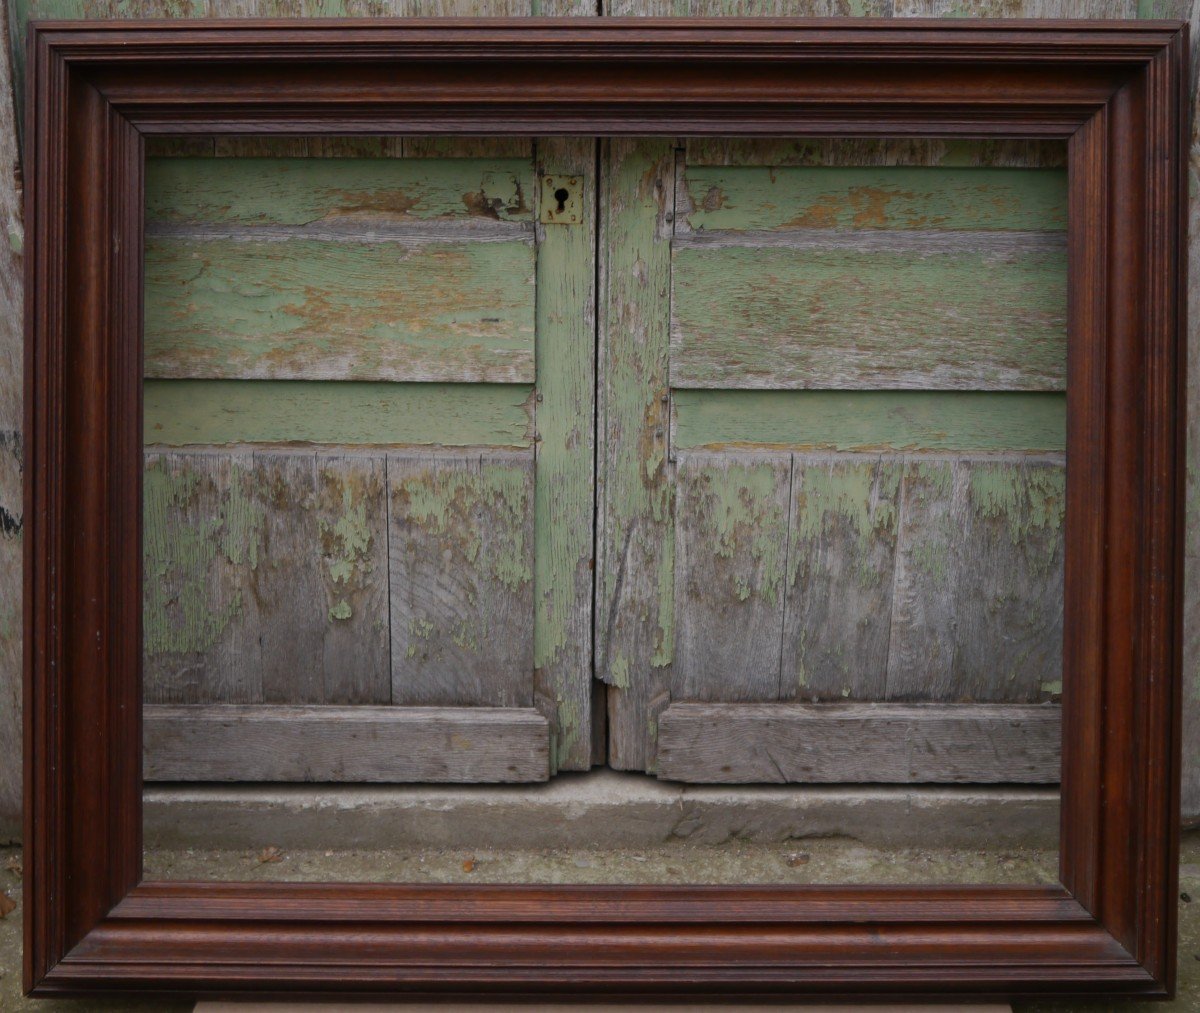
{"x":599,"y":809}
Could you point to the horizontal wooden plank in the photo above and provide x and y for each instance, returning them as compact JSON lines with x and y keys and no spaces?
{"x":808,"y":317}
{"x":869,"y":420}
{"x":749,"y":198}
{"x":873,"y":151}
{"x":342,"y":744}
{"x":860,"y":743}
{"x":206,"y":412}
{"x":300,"y":191}
{"x":310,"y":309}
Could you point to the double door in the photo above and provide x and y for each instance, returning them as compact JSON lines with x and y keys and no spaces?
{"x":480,"y":461}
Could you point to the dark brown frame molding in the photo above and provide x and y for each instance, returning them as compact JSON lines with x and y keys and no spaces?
{"x":1116,"y":90}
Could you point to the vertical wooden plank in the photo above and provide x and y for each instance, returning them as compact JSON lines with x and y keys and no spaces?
{"x":731,"y":543}
{"x":1010,"y":592}
{"x":11,"y":410}
{"x":841,"y":560}
{"x":286,"y":580}
{"x":461,"y":576}
{"x":977,"y":600}
{"x":563,"y":499}
{"x":635,"y":545}
{"x":202,"y":535}
{"x":321,"y":577}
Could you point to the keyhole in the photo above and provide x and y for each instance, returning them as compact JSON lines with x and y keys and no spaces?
{"x":561,"y":195}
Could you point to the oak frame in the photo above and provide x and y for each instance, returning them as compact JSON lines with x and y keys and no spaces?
{"x":1116,"y":90}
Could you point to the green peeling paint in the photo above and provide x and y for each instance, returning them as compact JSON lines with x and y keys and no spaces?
{"x":445,"y":505}
{"x":202,"y":412}
{"x":315,"y":310}
{"x":341,"y":610}
{"x":753,"y":198}
{"x":1036,"y":502}
{"x":303,"y":191}
{"x":871,"y":420}
{"x":348,"y":540}
{"x":741,"y":501}
{"x":780,"y":317}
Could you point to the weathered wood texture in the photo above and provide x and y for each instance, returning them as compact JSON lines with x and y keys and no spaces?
{"x":461,"y":545}
{"x":731,"y":543}
{"x":564,"y":508}
{"x":868,"y":577}
{"x":860,"y":743}
{"x":319,"y":306}
{"x":256,"y":743}
{"x":11,"y":509}
{"x":635,"y":570}
{"x":265,"y":577}
{"x":891,"y":277}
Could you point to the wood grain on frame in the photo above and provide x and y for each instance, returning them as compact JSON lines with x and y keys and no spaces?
{"x":97,"y":91}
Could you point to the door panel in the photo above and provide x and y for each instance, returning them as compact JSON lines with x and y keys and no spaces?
{"x":860,"y":497}
{"x":369,"y":418}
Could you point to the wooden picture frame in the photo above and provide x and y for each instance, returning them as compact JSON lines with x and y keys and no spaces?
{"x":1114,"y":90}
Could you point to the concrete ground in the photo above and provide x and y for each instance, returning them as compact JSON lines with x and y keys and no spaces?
{"x":819,"y":860}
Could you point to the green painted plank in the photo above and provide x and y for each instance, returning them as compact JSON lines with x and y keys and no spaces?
{"x":313,"y":310}
{"x":870,"y":420}
{"x":202,"y":412}
{"x":300,"y":191}
{"x":748,"y":198}
{"x":564,"y":499}
{"x":850,"y":318}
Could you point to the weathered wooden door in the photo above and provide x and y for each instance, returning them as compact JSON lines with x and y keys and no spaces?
{"x":368,"y":487}
{"x":832,"y":424}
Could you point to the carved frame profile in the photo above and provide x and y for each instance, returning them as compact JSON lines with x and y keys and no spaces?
{"x":1114,"y":90}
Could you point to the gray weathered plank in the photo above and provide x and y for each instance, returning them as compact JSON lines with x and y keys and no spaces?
{"x":860,"y":743}
{"x":11,"y":413}
{"x":978,"y":594}
{"x":634,"y":540}
{"x":265,"y":577}
{"x":201,"y":538}
{"x":461,"y":577}
{"x":731,"y":543}
{"x":841,"y":560}
{"x":321,"y":579}
{"x":340,"y":744}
